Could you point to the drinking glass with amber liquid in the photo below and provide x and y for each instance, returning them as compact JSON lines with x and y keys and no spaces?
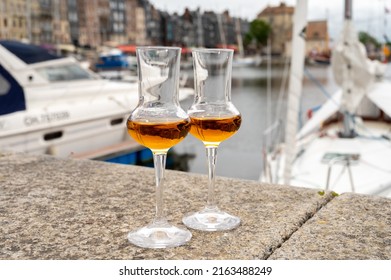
{"x":158,"y":123}
{"x":213,"y":119}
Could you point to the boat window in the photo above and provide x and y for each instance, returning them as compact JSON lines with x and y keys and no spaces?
{"x":4,"y":85}
{"x":65,"y":73}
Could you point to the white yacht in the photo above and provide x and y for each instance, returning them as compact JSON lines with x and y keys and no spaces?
{"x":52,"y":105}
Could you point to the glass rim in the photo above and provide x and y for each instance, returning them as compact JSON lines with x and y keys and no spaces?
{"x":157,"y":48}
{"x":212,"y":50}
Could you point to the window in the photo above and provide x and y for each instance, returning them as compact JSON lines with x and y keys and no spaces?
{"x":65,"y":73}
{"x":4,"y":86}
{"x":72,"y":16}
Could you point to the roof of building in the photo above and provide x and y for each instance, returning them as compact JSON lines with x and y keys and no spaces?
{"x":278,"y":10}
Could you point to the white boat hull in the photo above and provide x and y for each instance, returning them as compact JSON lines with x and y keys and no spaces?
{"x":59,"y":112}
{"x":369,"y":174}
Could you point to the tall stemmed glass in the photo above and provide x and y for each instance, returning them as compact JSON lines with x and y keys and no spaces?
{"x":213,"y":119}
{"x":158,"y":123}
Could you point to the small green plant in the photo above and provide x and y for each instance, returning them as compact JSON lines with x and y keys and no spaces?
{"x":321,"y":193}
{"x":334,"y":194}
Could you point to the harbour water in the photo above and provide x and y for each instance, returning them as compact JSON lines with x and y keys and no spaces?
{"x":241,"y":155}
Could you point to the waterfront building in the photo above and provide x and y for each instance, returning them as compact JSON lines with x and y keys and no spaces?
{"x":222,"y":30}
{"x":89,"y":31}
{"x":141,"y":27}
{"x":93,"y":23}
{"x":229,"y":32}
{"x":173,"y":29}
{"x":210,"y":29}
{"x":131,"y":20}
{"x":44,"y":20}
{"x":61,"y":34}
{"x":32,"y":21}
{"x":317,"y":37}
{"x":280,"y":18}
{"x":153,"y":22}
{"x":73,"y":20}
{"x":117,"y":14}
{"x":317,"y":40}
{"x":13,"y":22}
{"x":104,"y":21}
{"x":190,"y":26}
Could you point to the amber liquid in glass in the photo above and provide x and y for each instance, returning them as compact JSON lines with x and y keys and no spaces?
{"x":212,"y":131}
{"x":158,"y":136}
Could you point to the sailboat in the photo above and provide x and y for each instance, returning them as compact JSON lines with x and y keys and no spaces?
{"x":346,"y":145}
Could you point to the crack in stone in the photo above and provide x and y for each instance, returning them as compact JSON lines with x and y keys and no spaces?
{"x":307,"y":217}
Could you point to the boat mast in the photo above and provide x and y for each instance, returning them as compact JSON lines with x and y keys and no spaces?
{"x":348,"y":9}
{"x":239,"y":37}
{"x":295,"y":85}
{"x":348,"y":117}
{"x":200,"y":32}
{"x":221,"y":30}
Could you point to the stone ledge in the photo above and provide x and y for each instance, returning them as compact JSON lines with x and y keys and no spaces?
{"x":349,"y":227}
{"x":53,"y":208}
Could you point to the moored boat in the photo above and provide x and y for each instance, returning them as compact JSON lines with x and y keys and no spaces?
{"x":51,"y":105}
{"x":346,"y":145}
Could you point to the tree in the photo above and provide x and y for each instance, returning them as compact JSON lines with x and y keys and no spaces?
{"x":259,"y":32}
{"x":368,"y":40}
{"x":248,"y":38}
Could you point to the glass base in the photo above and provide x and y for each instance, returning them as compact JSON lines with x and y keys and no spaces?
{"x":159,"y":235}
{"x":211,"y":219}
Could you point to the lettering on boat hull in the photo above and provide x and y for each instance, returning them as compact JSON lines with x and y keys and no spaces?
{"x":46,"y":118}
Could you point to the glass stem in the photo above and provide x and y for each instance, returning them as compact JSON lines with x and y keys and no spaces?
{"x":211,"y":154}
{"x":159,"y":160}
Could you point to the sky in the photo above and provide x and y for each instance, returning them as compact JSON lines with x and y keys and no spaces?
{"x":368,"y":15}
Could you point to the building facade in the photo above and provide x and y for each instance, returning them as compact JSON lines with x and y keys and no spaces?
{"x":93,"y":23}
{"x":210,"y":29}
{"x":61,"y":31}
{"x":117,"y":15}
{"x":73,"y":21}
{"x":191,"y":21}
{"x":131,"y":20}
{"x":229,"y":28}
{"x":13,"y":21}
{"x":317,"y":37}
{"x":280,"y":18}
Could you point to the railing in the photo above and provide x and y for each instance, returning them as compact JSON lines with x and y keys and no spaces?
{"x":345,"y":160}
